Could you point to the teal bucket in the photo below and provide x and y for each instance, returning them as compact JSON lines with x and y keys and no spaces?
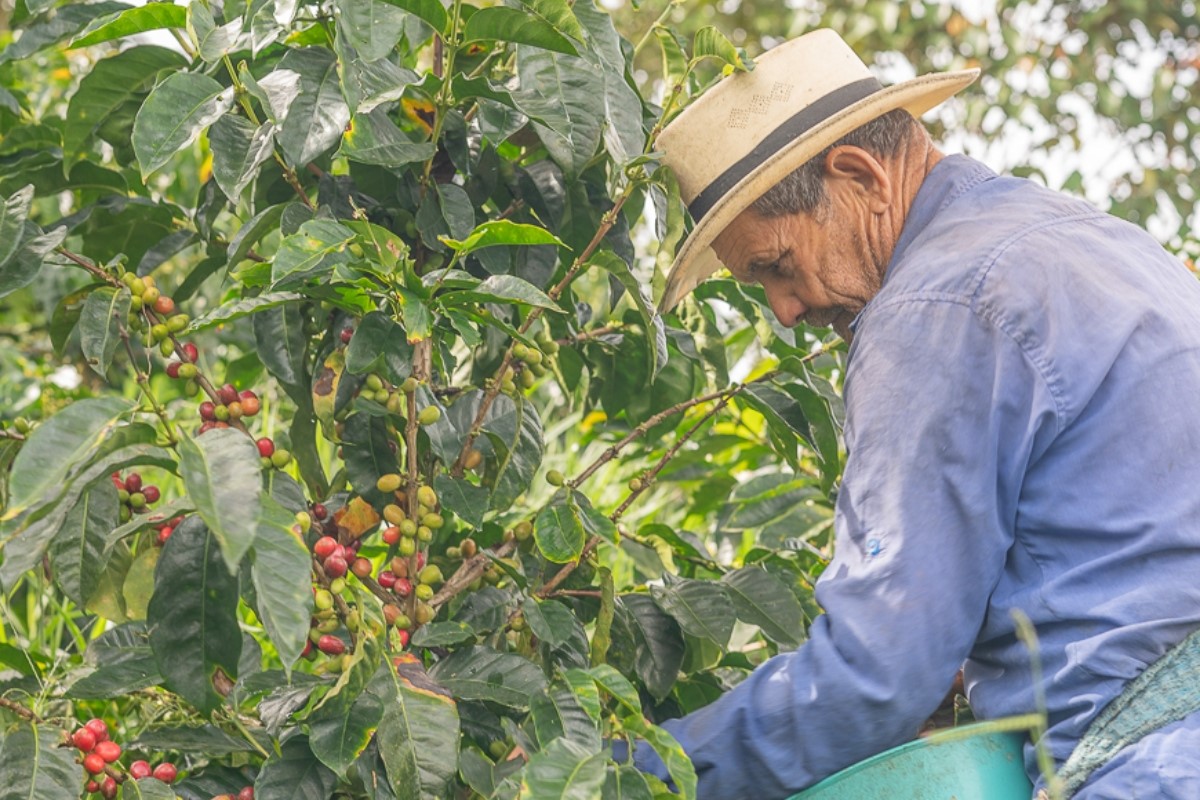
{"x":975,"y":762}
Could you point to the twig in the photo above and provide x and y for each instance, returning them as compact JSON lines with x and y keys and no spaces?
{"x":648,"y":477}
{"x":549,"y":586}
{"x":21,"y":711}
{"x":584,"y":336}
{"x":467,"y":572}
{"x":143,"y":382}
{"x":90,"y":267}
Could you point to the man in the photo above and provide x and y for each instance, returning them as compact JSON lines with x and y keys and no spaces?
{"x":1020,"y":427}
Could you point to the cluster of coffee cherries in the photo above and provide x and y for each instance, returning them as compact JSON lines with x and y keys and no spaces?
{"x":100,"y":755}
{"x":135,"y":497}
{"x":375,"y":388}
{"x":247,"y":793}
{"x":529,"y":363}
{"x":147,"y":298}
{"x":231,"y":405}
{"x":166,"y":529}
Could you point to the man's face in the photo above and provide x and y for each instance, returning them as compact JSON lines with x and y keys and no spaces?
{"x":815,"y":268}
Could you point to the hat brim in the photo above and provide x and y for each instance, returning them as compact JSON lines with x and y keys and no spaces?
{"x":696,"y":260}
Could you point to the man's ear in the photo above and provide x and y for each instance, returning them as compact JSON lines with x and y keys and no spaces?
{"x":862,"y":174}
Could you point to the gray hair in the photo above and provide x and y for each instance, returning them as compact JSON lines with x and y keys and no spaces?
{"x":803,"y":190}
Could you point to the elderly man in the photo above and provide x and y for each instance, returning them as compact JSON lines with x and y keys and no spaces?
{"x":1021,"y":432}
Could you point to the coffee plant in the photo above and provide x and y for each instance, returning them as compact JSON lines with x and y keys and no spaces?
{"x":344,"y":452}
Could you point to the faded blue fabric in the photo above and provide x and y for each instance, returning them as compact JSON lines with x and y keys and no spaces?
{"x":1023,"y":427}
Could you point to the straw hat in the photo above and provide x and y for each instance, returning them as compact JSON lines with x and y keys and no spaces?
{"x":752,"y":129}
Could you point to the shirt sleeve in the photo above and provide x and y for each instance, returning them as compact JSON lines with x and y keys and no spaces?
{"x":943,"y":408}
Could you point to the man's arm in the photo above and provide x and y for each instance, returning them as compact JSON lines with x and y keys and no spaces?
{"x":943,"y":409}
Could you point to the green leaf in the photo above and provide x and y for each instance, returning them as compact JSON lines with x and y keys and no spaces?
{"x":173,"y":116}
{"x":67,"y":20}
{"x":374,"y":139}
{"x":32,"y":765}
{"x":441,"y":634}
{"x":108,"y":86}
{"x":585,"y":690}
{"x":147,"y":789}
{"x":311,"y":252}
{"x":119,"y":678}
{"x":624,"y":130}
{"x":379,"y":345}
{"x":238,"y":152}
{"x":193,"y":615}
{"x":367,"y":454}
{"x":521,"y":26}
{"x":657,"y":642}
{"x":418,"y":737}
{"x":557,"y":713}
{"x":295,"y":773}
{"x":261,"y":224}
{"x":13,"y":214}
{"x":242,"y":308}
{"x":503,"y":232}
{"x":222,"y":475}
{"x":372,"y":27}
{"x":669,"y":750}
{"x":100,"y":322}
{"x":551,"y":621}
{"x":192,"y":738}
{"x":468,"y":501}
{"x":502,"y":289}
{"x":480,"y":673}
{"x":617,"y":685}
{"x":430,"y":11}
{"x":561,"y":90}
{"x":761,"y":599}
{"x":20,"y":270}
{"x":150,"y":17}
{"x":282,"y":572}
{"x":559,"y":530}
{"x":77,"y":550}
{"x":58,"y":446}
{"x":625,"y":782}
{"x":700,"y":607}
{"x":564,"y":770}
{"x":711,"y":43}
{"x":213,"y":41}
{"x":283,"y":348}
{"x":316,"y":115}
{"x":342,"y":726}
{"x":515,"y":432}
{"x":656,"y":355}
{"x":674,"y":60}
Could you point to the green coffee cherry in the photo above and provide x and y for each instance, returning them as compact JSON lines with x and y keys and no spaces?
{"x":374,"y":382}
{"x":388,"y":483}
{"x":429,"y":415}
{"x":555,"y":478}
{"x":423,"y":591}
{"x":426,"y":496}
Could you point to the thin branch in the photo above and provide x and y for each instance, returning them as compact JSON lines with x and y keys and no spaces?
{"x":468,"y":571}
{"x":90,"y":267}
{"x":549,"y":586}
{"x":20,"y":710}
{"x":652,"y":473}
{"x":143,"y":382}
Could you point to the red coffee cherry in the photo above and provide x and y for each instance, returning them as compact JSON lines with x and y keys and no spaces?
{"x":227,"y":394}
{"x":151,"y":493}
{"x":108,"y":789}
{"x":164,"y":305}
{"x":173,"y":369}
{"x":133,"y":482}
{"x":109,"y":750}
{"x":99,"y":727}
{"x":361,"y":567}
{"x":140,"y":769}
{"x":347,"y":334}
{"x":331,"y":645}
{"x":93,"y":763}
{"x":265,"y":447}
{"x":165,"y":772}
{"x":91,"y":787}
{"x":336,"y":566}
{"x":250,"y":403}
{"x":190,"y":353}
{"x":325,"y":547}
{"x":387,"y":579}
{"x":246,"y":794}
{"x":84,"y":739}
{"x":208,"y":411}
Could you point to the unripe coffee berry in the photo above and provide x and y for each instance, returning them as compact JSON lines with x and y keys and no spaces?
{"x":394,"y":514}
{"x":424,"y":591}
{"x":323,"y":599}
{"x":374,"y":382}
{"x":520,"y":351}
{"x":426,"y":496}
{"x":388,"y":483}
{"x":636,"y":485}
{"x":159,"y":332}
{"x":221,"y":413}
{"x":555,"y":478}
{"x":251,"y":405}
{"x":406,"y":547}
{"x":424,"y":533}
{"x":472,"y":459}
{"x":409,"y":385}
{"x":281,"y":458}
{"x":523,"y":530}
{"x":150,"y":295}
{"x":429,"y":415}
{"x":163,"y":305}
{"x":338,"y":585}
{"x":430,"y":575}
{"x":165,"y":772}
{"x":361,"y":567}
{"x":468,"y":548}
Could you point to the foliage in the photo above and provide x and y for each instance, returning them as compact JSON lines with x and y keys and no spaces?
{"x":352,"y":455}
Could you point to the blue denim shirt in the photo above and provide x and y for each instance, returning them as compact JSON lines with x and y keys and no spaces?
{"x":1023,"y":433}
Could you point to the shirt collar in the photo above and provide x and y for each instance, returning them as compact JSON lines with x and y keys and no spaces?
{"x":949,"y":178}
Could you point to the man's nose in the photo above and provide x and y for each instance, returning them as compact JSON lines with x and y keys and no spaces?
{"x":786,"y":306}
